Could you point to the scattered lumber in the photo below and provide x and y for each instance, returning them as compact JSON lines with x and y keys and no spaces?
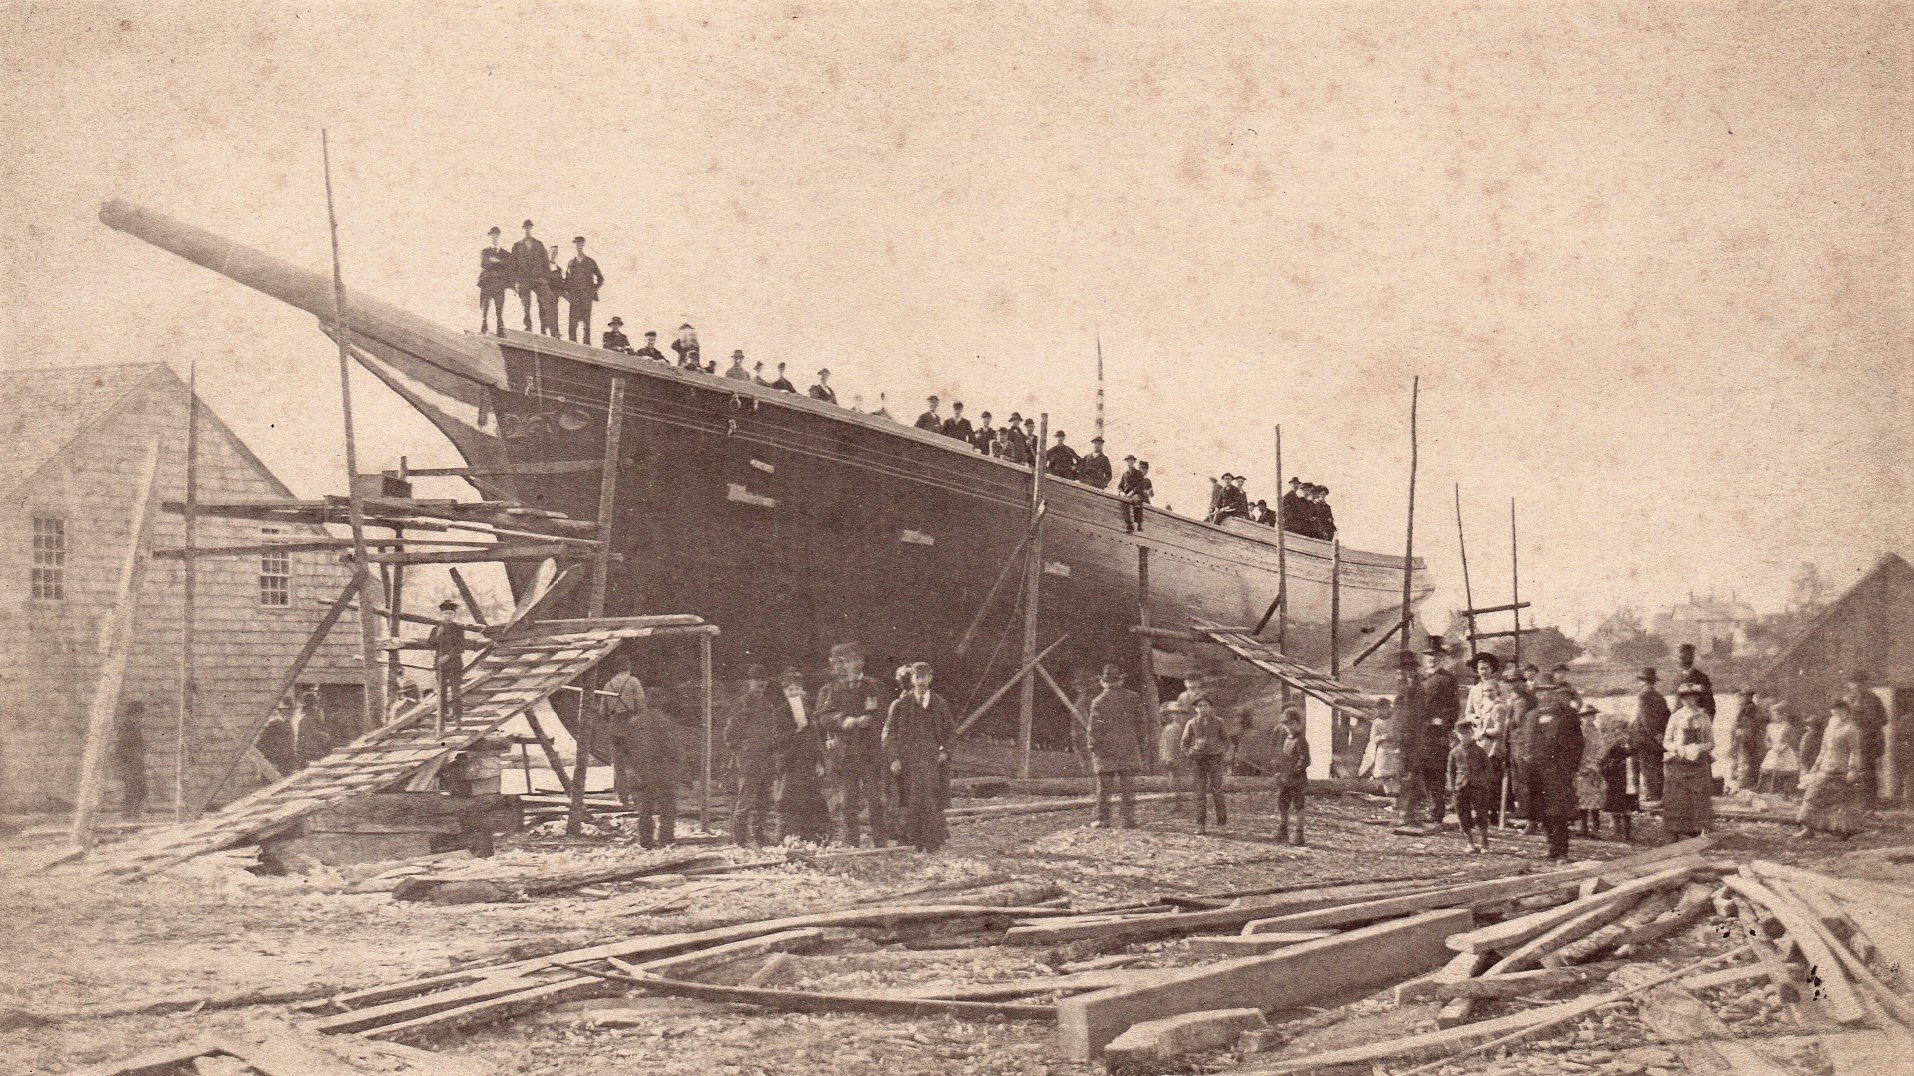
{"x":1002,"y":810}
{"x":1502,"y":987}
{"x":1449,"y":1045}
{"x":1614,"y":935}
{"x":813,"y":1001}
{"x":1714,"y":980}
{"x":1293,"y":976}
{"x":698,"y":960}
{"x":1017,"y":988}
{"x":1159,"y":924}
{"x":1595,"y":912}
{"x":1460,"y":968}
{"x":1683,"y":1024}
{"x":1248,"y":944}
{"x":1204,"y":901}
{"x":1839,"y":998}
{"x":1511,"y":934}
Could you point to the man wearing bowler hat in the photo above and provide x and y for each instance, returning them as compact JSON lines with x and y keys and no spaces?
{"x":1117,"y":731}
{"x":1440,"y":708}
{"x":528,"y":271}
{"x":1061,"y":460}
{"x":582,"y":281}
{"x":851,"y":709}
{"x":495,"y":275}
{"x":614,"y":338}
{"x":1651,"y":722}
{"x":1094,"y":468}
{"x":916,"y":740}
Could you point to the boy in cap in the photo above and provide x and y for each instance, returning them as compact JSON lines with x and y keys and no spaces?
{"x":1169,"y":751}
{"x":650,"y":350}
{"x":1292,"y":775}
{"x":1206,"y":746}
{"x":495,"y":275}
{"x":448,"y":663}
{"x":1471,"y":786}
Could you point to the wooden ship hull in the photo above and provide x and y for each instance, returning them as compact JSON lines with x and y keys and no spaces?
{"x":795,"y":524}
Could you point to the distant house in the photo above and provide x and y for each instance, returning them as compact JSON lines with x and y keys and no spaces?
{"x":72,"y":445}
{"x":1712,"y":625}
{"x":1869,"y":629}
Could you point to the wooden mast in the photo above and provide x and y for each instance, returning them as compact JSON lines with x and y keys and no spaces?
{"x":1282,"y":563}
{"x":189,"y":593}
{"x":1468,"y":594}
{"x":600,"y":580}
{"x":368,"y":616}
{"x":1515,"y":581}
{"x":1099,"y":384}
{"x":1409,"y":543}
{"x":1033,"y":587}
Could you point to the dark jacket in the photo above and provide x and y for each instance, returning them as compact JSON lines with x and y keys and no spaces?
{"x":1061,"y":461}
{"x":1554,"y":756}
{"x":529,"y":261}
{"x":1292,"y":760}
{"x":1694,"y":675}
{"x":755,"y":728}
{"x":1116,"y":730}
{"x":1136,"y":486}
{"x":1651,"y":720}
{"x":495,"y":269}
{"x":958,"y":428}
{"x":582,"y":279}
{"x":1468,"y":766}
{"x":852,"y":716}
{"x":1094,"y":470}
{"x":825,"y":393}
{"x":929,"y":421}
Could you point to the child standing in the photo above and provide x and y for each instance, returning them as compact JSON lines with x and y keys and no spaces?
{"x":1591,"y":791}
{"x":1469,"y":786}
{"x":1169,"y":751}
{"x":1620,"y":780}
{"x":1292,"y":773}
{"x":1206,"y":745}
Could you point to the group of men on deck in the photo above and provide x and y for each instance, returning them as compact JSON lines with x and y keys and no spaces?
{"x":1305,"y":508}
{"x":533,"y":270}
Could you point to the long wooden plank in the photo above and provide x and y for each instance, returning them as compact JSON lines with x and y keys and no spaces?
{"x":493,"y":1009}
{"x":1595,"y":914}
{"x":814,"y":1001}
{"x":1136,"y":928}
{"x":1517,"y":984}
{"x":1297,"y":975}
{"x":1683,"y":1024}
{"x":1839,"y":999}
{"x":699,"y":959}
{"x":1510,"y":934}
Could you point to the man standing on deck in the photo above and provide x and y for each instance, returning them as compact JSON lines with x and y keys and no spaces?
{"x":1322,"y":516}
{"x":686,"y":347}
{"x":851,"y":710}
{"x":737,"y":372}
{"x":823,"y":390}
{"x":1061,"y":460}
{"x":551,"y":286}
{"x":614,"y":338}
{"x":930,"y":420}
{"x":495,"y":275}
{"x":1094,"y":468}
{"x":650,"y":350}
{"x":528,"y":272}
{"x":957,"y":425}
{"x":1135,"y":489}
{"x":983,"y":436}
{"x":1295,"y":507}
{"x":582,"y":281}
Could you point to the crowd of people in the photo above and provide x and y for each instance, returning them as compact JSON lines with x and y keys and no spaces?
{"x":1305,"y":508}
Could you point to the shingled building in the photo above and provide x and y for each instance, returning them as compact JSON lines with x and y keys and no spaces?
{"x":73,"y":442}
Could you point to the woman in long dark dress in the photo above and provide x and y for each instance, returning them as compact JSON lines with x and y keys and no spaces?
{"x":802,"y":812}
{"x":917,"y":744}
{"x":1688,"y":751}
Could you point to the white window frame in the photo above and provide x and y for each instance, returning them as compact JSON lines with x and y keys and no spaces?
{"x":48,"y":579}
{"x":275,"y":574}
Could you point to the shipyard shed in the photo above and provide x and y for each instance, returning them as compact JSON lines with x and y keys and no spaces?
{"x":73,"y":445}
{"x":1870,"y":628}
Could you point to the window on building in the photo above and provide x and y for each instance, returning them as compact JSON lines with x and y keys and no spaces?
{"x":275,"y":573}
{"x":49,"y":558}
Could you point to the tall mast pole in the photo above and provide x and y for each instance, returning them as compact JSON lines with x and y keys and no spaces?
{"x":1409,"y":543}
{"x":368,"y":616}
{"x":1515,"y":581}
{"x":189,"y":593}
{"x":1468,"y":595}
{"x":1282,"y":563}
{"x":1033,"y":585}
{"x":1099,"y":384}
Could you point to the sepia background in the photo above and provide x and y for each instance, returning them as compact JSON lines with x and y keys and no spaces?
{"x":1651,"y":261}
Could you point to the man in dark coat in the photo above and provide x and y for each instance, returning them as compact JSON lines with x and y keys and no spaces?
{"x":1416,"y":748}
{"x":929,"y":420}
{"x":276,"y":744}
{"x":651,"y":764}
{"x":582,"y":281}
{"x":957,"y":425}
{"x":984,"y":436}
{"x":1061,"y":460}
{"x":1520,"y":728}
{"x":850,"y":708}
{"x":1692,"y":674}
{"x":822,"y":391}
{"x":495,"y":275}
{"x":782,"y":383}
{"x":650,"y":350}
{"x":551,"y":287}
{"x":1135,"y":489}
{"x":621,"y":704}
{"x":1554,"y":756}
{"x":614,"y":338}
{"x":917,"y":744}
{"x":1651,"y":722}
{"x":1441,"y":707}
{"x":528,"y":271}
{"x":1295,"y":508}
{"x":447,"y":642}
{"x":1869,"y":716}
{"x":752,"y":735}
{"x":1118,"y":726}
{"x":129,"y":758}
{"x":1094,"y":468}
{"x":1323,"y":518}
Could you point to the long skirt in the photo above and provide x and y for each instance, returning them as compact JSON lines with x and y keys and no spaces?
{"x":1830,"y":804}
{"x":922,"y":794}
{"x":1780,"y":771}
{"x":1686,"y":804}
{"x":1591,"y":791}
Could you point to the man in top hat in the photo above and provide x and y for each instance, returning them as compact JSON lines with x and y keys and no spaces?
{"x":957,"y":425}
{"x":1414,"y":740}
{"x":1094,"y":468}
{"x":495,"y":275}
{"x":1692,"y":674}
{"x":737,"y":372}
{"x":782,"y":383}
{"x":916,"y":738}
{"x":614,"y":338}
{"x":582,"y":281}
{"x":823,"y":390}
{"x":1135,"y":489}
{"x":757,"y":725}
{"x":529,"y":262}
{"x":983,"y":435}
{"x":851,"y":709}
{"x":1061,"y":460}
{"x":1441,"y":707}
{"x":1118,"y":729}
{"x":930,"y":420}
{"x":650,"y":350}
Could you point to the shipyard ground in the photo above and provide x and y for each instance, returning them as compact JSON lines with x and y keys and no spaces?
{"x":82,"y":960}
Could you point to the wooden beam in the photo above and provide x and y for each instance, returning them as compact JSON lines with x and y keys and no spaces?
{"x":1501,"y":987}
{"x":1081,"y":718}
{"x":1696,"y":1035}
{"x":1518,"y":632}
{"x":114,"y":645}
{"x":821,"y":1002}
{"x":1594,"y":913}
{"x":1177,"y":634}
{"x":1003,"y":573}
{"x":1032,"y":601}
{"x":471,"y":601}
{"x":783,"y":941}
{"x":1377,"y":645}
{"x":1506,"y":936}
{"x":1203,"y":922}
{"x":498,"y":551}
{"x":1487,"y":609}
{"x":1842,"y":1004}
{"x":1290,"y":978}
{"x":595,"y":604}
{"x":548,"y":467}
{"x":1015,"y":678}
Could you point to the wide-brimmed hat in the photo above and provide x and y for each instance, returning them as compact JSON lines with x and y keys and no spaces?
{"x":1494,"y":663}
{"x":1647,"y":675}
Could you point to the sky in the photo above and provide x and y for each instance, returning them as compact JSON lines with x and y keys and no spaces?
{"x":1653,"y":263}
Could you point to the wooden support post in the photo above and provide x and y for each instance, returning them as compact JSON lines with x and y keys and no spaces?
{"x":1409,"y":542}
{"x":550,"y":748}
{"x":600,"y":580}
{"x":1099,"y":384}
{"x":1015,"y":678}
{"x":471,"y":601}
{"x":341,"y":331}
{"x":286,"y":681}
{"x":1377,"y":645}
{"x":1335,"y":607}
{"x":1145,"y":643}
{"x":1468,"y":594}
{"x":189,"y":593}
{"x":990,"y":599}
{"x":1063,"y":696}
{"x":394,"y":627}
{"x":1033,"y":592}
{"x":704,"y":787}
{"x":1515,"y":581}
{"x":116,"y":637}
{"x":1282,"y":563}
